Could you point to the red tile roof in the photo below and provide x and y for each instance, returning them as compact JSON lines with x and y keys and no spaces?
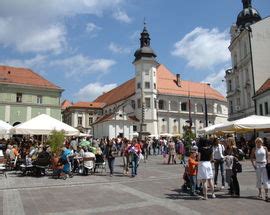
{"x":119,"y":93}
{"x":25,"y":77}
{"x":166,"y":84}
{"x":104,"y":118}
{"x":110,"y":116}
{"x":88,"y":105}
{"x":65,"y":104}
{"x":264,"y":87}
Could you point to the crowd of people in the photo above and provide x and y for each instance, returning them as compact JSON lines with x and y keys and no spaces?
{"x":225,"y":156}
{"x":32,"y":156}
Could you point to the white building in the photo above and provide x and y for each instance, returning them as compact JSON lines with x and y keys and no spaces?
{"x":250,"y":45}
{"x":81,"y":115}
{"x":157,"y":101}
{"x":262,"y":99}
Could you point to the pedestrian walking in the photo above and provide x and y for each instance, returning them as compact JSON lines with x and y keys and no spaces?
{"x":259,"y":159}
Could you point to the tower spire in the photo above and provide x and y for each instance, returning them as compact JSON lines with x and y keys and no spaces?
{"x":246,"y":3}
{"x":145,"y":49}
{"x":247,"y":16}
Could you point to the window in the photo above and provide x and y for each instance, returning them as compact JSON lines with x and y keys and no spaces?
{"x":266,"y":108}
{"x":219,"y":109}
{"x":230,"y":85}
{"x":199,"y":108}
{"x":231,"y":106}
{"x":161,"y":104}
{"x":90,"y":120}
{"x":19,"y":97}
{"x":147,"y":85}
{"x":261,"y":109}
{"x":39,"y":99}
{"x":184,"y":106}
{"x":134,"y":128}
{"x":147,"y":102}
{"x":155,"y":103}
{"x":139,"y":103}
{"x":79,"y":120}
{"x":235,"y":61}
{"x":237,"y":81}
{"x":174,"y":106}
{"x":133,"y":104}
{"x":238,"y":102}
{"x":138,"y":85}
{"x":155,"y":86}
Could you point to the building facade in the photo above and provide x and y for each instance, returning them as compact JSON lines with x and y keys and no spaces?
{"x":81,"y":115}
{"x":262,"y":99}
{"x":250,"y":42}
{"x":159,"y":101}
{"x":24,"y":94}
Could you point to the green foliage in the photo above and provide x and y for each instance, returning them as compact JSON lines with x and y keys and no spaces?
{"x":56,"y":140}
{"x":188,"y":136}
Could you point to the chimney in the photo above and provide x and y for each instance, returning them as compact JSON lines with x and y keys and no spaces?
{"x":178,"y":80}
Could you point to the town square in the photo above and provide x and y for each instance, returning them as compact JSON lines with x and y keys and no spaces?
{"x":134,"y":107}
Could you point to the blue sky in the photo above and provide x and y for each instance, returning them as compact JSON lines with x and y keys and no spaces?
{"x":86,"y":46}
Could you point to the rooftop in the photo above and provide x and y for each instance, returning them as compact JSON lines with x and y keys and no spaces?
{"x":24,"y":77}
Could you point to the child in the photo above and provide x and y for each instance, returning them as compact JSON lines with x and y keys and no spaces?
{"x":192,"y":171}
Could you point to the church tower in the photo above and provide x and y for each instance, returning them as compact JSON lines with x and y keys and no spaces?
{"x":250,"y":61}
{"x":146,"y":84}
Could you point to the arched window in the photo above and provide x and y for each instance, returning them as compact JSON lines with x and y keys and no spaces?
{"x":199,"y":108}
{"x":219,"y":109}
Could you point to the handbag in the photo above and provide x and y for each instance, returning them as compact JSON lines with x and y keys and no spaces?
{"x":268,"y":170}
{"x":237,"y":166}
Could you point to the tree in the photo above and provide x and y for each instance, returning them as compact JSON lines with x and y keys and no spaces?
{"x":56,"y":140}
{"x":188,"y":136}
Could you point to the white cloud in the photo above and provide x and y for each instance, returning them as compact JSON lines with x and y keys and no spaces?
{"x":203,"y":48}
{"x":38,"y":26}
{"x":93,"y":90}
{"x":122,"y":16}
{"x":27,"y":63}
{"x":217,"y":81}
{"x":91,"y":27}
{"x":118,"y":49}
{"x":79,"y":65}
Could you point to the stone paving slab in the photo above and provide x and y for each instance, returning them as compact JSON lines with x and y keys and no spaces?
{"x":156,"y":190}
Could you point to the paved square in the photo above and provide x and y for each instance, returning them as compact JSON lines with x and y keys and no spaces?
{"x":156,"y":190}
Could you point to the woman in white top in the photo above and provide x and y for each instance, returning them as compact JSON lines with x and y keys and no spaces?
{"x":259,"y":159}
{"x":218,"y":155}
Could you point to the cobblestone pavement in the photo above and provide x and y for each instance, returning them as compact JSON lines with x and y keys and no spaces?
{"x":156,"y":190}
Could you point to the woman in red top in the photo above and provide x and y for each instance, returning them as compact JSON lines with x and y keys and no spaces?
{"x":134,"y":151}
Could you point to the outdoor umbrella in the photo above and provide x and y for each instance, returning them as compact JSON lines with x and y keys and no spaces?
{"x":4,"y":127}
{"x":246,"y":124}
{"x":84,"y":143}
{"x":43,"y":125}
